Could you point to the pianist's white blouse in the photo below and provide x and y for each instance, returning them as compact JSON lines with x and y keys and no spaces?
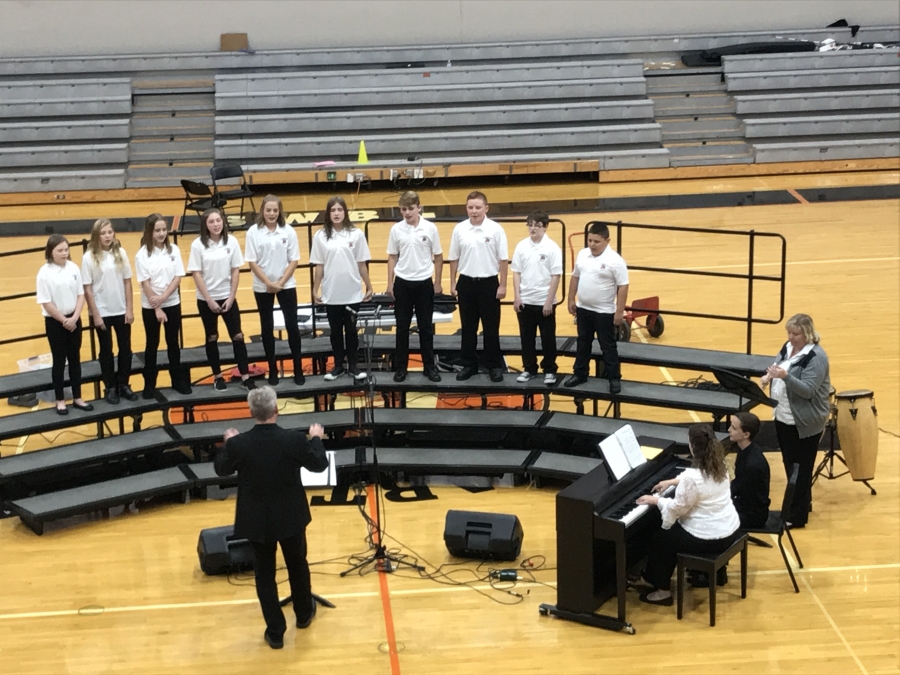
{"x":702,"y":506}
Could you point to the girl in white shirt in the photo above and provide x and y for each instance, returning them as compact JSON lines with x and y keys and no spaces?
{"x":159,"y":270}
{"x":339,"y":252}
{"x":106,"y":274}
{"x":699,"y":518}
{"x":272,"y":252}
{"x":215,"y":262}
{"x":60,"y":294}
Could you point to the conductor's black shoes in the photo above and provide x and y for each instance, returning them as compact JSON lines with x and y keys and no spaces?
{"x":400,"y":375}
{"x":466,"y":373}
{"x":615,"y":386}
{"x":312,"y":615}
{"x":574,"y":381}
{"x":272,"y":642}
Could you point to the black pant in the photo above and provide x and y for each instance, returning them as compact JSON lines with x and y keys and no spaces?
{"x":478,"y":302}
{"x":802,"y":451}
{"x":590,"y":323}
{"x":415,"y":296}
{"x":531,"y":317}
{"x":287,"y":300}
{"x":666,"y":546}
{"x":172,"y":328}
{"x":232,"y":319}
{"x":65,"y":346}
{"x":294,"y":552}
{"x":344,"y":338}
{"x":112,"y":377}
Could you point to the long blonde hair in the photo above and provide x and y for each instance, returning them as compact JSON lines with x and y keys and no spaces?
{"x":96,"y":250}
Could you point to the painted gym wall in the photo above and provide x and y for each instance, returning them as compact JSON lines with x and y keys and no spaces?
{"x":84,"y":27}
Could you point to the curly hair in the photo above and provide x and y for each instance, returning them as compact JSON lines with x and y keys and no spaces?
{"x":707,"y":452}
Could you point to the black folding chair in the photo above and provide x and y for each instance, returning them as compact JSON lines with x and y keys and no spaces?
{"x":197,"y":198}
{"x":777,"y":525}
{"x":231,"y":191}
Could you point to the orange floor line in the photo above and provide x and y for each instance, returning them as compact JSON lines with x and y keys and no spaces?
{"x":385,"y":599}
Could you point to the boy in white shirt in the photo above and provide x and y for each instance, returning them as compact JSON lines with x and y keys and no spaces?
{"x":414,"y":255}
{"x":537,"y":269}
{"x":479,"y":252}
{"x":597,"y":294}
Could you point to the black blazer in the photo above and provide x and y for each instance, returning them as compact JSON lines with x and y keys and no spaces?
{"x":750,"y":487}
{"x":271,"y":501}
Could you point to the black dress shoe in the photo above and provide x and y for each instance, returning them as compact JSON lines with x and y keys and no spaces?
{"x":62,"y":411}
{"x":615,"y":386}
{"x":496,"y":374}
{"x":400,"y":375}
{"x":112,"y":397}
{"x":273,"y":379}
{"x":299,"y":379}
{"x":184,"y":387}
{"x":433,"y":375}
{"x":87,"y":407}
{"x":272,"y":642}
{"x":149,"y":394}
{"x":466,"y":373}
{"x":665,"y":602}
{"x":126,"y":393}
{"x":305,"y":622}
{"x":574,"y":381}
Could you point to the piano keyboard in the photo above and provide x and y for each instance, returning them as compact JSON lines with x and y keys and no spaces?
{"x":627,"y":516}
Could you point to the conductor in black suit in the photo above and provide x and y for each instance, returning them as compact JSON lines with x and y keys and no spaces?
{"x":272,"y":506}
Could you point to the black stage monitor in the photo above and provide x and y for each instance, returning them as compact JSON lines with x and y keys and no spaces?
{"x":488,"y":536}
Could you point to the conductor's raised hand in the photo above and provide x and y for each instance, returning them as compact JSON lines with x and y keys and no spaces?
{"x":317,"y":430}
{"x":230,"y":432}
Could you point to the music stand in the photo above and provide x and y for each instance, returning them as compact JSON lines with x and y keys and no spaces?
{"x":742,"y":387}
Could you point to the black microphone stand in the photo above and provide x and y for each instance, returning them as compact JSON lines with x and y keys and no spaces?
{"x":380,"y":559}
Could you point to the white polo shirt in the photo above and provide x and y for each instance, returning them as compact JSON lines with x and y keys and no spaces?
{"x":599,"y":278}
{"x":478,"y":248}
{"x":159,"y":268}
{"x":107,"y":281}
{"x":340,"y":257}
{"x":536,"y":263}
{"x":59,"y":285}
{"x":416,"y":246}
{"x":273,"y":251}
{"x":215,"y":262}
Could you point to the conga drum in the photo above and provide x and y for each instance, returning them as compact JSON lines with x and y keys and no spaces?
{"x":857,"y":427}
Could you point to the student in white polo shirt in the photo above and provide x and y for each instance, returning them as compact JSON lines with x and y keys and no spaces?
{"x":480,"y":254}
{"x":537,"y":269}
{"x":60,"y":293}
{"x":159,"y":269}
{"x":339,"y":252}
{"x":414,"y":255}
{"x":106,"y":274}
{"x":272,"y":251}
{"x":598,"y":291}
{"x":215,"y":262}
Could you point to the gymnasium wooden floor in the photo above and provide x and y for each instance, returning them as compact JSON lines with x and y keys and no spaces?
{"x":125,"y":594}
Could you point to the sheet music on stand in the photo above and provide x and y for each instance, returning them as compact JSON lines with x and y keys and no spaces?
{"x":622,"y":452}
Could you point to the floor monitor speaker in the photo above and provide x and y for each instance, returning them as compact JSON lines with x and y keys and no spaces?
{"x":221,"y":553}
{"x":488,"y":536}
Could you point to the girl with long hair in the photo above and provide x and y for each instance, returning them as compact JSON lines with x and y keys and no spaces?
{"x":215,"y":261}
{"x":698,"y":518}
{"x":159,"y":270}
{"x":60,"y":293}
{"x":339,"y":252}
{"x":106,"y":274}
{"x":272,"y":251}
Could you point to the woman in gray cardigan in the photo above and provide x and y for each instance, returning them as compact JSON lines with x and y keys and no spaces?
{"x":801,"y":385}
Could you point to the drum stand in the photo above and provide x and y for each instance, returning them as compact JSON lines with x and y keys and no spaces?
{"x":826,"y":466}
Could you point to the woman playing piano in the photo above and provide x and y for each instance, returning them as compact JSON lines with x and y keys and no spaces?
{"x":699,"y":518}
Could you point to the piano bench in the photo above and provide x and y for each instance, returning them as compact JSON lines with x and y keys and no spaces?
{"x":711,"y":564}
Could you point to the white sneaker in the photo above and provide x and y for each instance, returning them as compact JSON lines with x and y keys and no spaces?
{"x":334,"y":374}
{"x":549,"y":378}
{"x":524,"y":377}
{"x":357,"y":374}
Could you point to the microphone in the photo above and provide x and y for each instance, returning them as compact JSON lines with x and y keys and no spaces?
{"x":351,"y":310}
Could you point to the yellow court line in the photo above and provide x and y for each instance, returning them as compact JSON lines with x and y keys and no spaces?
{"x":837,"y":630}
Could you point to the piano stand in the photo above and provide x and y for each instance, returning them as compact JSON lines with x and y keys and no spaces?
{"x":588,"y":619}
